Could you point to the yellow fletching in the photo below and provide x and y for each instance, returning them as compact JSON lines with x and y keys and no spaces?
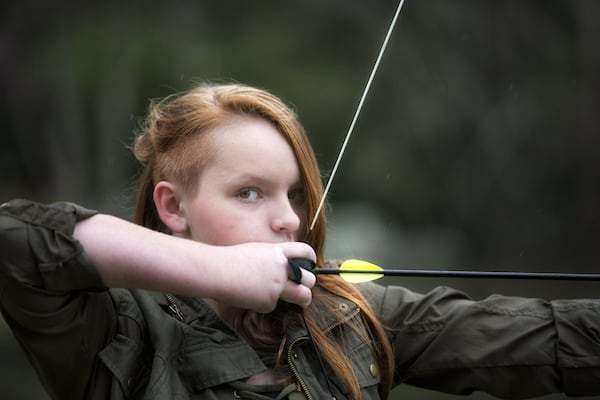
{"x":360,"y":275}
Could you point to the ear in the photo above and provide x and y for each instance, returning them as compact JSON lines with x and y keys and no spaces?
{"x":167,"y":198}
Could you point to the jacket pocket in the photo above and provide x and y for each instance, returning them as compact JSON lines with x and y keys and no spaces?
{"x":365,"y":366}
{"x":122,"y":358}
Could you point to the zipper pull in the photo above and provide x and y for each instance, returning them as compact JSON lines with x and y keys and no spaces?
{"x":174,"y":308}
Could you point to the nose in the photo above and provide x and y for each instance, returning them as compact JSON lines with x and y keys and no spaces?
{"x":284,"y":217}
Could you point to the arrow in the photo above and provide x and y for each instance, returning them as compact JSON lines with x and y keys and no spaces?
{"x":356,"y":271}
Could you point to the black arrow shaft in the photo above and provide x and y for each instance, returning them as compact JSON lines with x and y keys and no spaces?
{"x":465,"y":274}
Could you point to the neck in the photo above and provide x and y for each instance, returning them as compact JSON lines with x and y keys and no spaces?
{"x":227,"y":313}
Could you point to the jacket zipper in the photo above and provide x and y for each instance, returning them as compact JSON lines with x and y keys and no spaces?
{"x":295,"y":371}
{"x":174,"y":308}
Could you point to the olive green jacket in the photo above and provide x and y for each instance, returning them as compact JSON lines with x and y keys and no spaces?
{"x":90,"y":342}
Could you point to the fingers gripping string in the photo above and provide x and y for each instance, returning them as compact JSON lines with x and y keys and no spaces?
{"x":297,"y":264}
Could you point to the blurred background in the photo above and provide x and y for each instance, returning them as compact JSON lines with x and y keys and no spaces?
{"x":476,"y":149}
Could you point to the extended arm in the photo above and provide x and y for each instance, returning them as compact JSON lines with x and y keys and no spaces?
{"x":510,"y":347}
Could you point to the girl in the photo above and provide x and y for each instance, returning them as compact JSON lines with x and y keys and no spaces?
{"x":198,"y":300}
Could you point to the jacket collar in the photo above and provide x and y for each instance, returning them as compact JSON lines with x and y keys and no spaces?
{"x":346,"y":310}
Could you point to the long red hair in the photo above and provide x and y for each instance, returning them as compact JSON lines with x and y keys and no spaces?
{"x":170,"y":147}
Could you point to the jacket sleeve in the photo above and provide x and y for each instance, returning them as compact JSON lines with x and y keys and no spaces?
{"x":509,"y":347}
{"x":51,"y":294}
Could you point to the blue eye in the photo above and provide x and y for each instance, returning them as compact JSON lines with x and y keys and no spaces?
{"x":248,"y":194}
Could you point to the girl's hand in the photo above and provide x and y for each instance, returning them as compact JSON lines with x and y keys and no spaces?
{"x":258,"y":275}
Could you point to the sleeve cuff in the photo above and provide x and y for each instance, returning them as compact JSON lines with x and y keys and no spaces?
{"x":578,"y":345}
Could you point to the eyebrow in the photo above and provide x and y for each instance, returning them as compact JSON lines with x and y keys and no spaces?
{"x":246,"y":176}
{"x":251,"y":177}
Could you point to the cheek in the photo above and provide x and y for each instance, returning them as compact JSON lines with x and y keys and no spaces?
{"x":222,"y":228}
{"x":211,"y":230}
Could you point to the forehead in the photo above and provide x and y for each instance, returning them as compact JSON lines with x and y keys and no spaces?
{"x":250,"y":143}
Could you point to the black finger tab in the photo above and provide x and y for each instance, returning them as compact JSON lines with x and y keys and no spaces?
{"x":297,"y":264}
